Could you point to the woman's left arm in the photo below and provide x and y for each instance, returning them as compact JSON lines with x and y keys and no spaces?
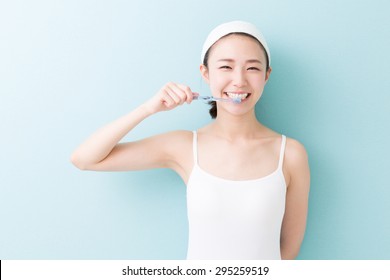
{"x":296,"y":167}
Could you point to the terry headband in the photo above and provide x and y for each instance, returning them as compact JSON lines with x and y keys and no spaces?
{"x":232,"y":27}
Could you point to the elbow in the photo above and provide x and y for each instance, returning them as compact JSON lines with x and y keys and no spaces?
{"x":76,"y":161}
{"x":290,"y":253}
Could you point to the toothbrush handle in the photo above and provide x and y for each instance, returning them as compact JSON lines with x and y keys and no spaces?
{"x":210,"y":98}
{"x":202,"y":98}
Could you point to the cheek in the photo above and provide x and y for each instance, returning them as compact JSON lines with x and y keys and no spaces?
{"x":217,"y":80}
{"x":217,"y":86}
{"x":259,"y":80}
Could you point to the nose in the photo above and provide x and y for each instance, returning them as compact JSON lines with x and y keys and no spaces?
{"x":239,"y":78}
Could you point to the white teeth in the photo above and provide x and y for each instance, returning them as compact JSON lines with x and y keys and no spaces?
{"x":237,"y":95}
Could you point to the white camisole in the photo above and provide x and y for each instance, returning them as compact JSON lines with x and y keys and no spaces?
{"x":235,"y":219}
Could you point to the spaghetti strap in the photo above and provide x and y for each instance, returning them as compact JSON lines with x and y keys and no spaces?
{"x":195,"y":147}
{"x":281,"y":155}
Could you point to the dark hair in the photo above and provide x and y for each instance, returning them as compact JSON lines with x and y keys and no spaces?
{"x":213,"y":109}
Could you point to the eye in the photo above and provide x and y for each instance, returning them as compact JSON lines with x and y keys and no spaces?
{"x":254,"y":68}
{"x":225,"y":67}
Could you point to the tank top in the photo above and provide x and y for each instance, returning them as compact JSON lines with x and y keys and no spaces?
{"x":235,"y":219}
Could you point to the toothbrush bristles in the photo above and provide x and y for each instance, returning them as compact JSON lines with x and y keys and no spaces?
{"x":236,"y":100}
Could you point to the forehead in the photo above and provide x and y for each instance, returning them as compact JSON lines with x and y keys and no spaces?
{"x":237,"y":47}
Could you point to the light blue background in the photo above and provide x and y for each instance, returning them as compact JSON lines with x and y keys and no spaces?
{"x":68,"y":67}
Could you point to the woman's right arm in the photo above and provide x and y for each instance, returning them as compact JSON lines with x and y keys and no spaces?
{"x":102,"y":150}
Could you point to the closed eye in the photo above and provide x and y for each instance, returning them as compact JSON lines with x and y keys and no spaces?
{"x":225,"y":67}
{"x":254,"y":68}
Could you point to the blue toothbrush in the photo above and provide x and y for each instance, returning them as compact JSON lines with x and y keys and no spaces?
{"x":212,"y":98}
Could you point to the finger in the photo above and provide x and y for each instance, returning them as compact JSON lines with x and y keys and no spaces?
{"x":176,"y":93}
{"x":173,"y":97}
{"x":167,"y":100}
{"x":188,"y":92}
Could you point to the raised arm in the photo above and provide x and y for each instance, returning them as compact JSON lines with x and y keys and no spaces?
{"x":102,"y":150}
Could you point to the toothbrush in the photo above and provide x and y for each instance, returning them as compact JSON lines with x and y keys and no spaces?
{"x":236,"y":100}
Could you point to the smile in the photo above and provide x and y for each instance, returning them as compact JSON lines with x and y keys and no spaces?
{"x":238,"y":95}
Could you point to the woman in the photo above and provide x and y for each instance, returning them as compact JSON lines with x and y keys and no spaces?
{"x":247,"y":186}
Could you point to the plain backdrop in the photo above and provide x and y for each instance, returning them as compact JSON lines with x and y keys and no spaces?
{"x":68,"y":67}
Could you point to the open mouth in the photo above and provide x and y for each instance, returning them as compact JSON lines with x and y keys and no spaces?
{"x":237,"y":95}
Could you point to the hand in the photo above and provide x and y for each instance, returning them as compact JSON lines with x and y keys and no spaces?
{"x":169,"y":97}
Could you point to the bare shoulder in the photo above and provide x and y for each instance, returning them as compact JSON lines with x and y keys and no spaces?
{"x":295,"y":151}
{"x":176,"y":138}
{"x":172,"y":142}
{"x":296,"y":164}
{"x":178,"y":146}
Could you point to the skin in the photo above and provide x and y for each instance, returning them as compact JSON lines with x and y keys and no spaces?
{"x":236,"y":64}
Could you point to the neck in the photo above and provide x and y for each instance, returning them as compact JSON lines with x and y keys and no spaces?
{"x":234,"y":127}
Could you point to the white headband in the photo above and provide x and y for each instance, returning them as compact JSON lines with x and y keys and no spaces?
{"x":232,"y":27}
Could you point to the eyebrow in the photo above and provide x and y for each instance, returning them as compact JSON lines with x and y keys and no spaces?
{"x":232,"y":60}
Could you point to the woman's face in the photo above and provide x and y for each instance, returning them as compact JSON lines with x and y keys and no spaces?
{"x":236,"y":68}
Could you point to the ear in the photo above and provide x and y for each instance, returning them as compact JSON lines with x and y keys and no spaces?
{"x":204,"y":72}
{"x":268,"y":74}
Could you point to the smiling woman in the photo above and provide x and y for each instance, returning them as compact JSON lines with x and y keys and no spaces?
{"x":247,"y":185}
